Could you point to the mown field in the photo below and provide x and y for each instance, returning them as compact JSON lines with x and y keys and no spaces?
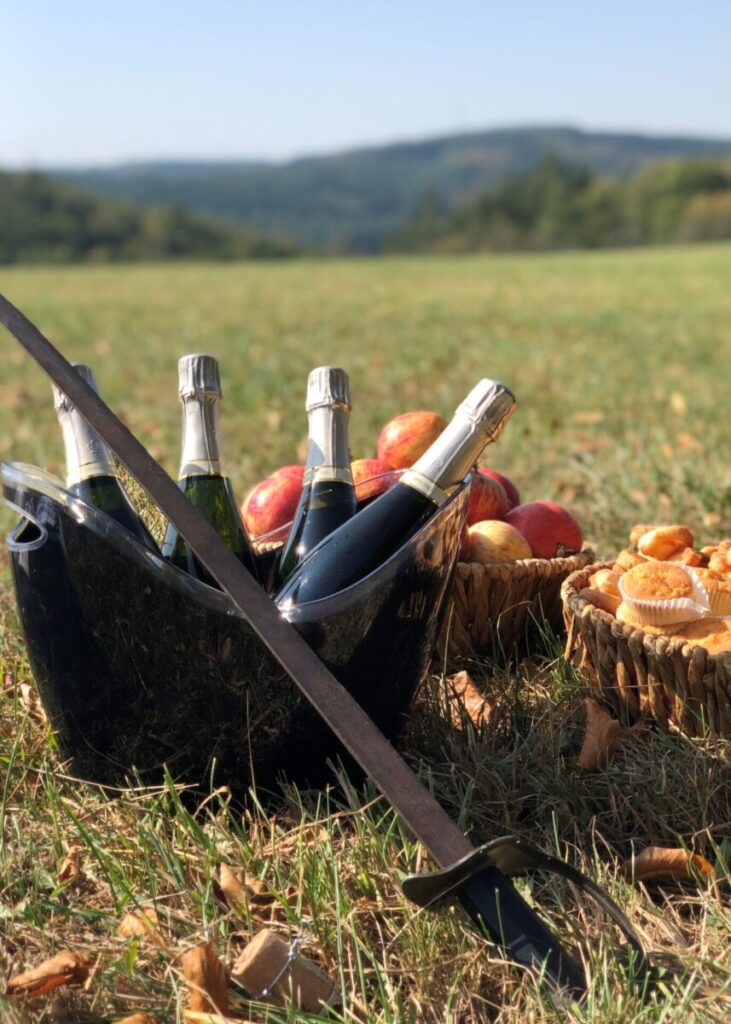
{"x":620,"y":363}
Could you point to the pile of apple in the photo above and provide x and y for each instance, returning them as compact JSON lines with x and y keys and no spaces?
{"x":498,"y":528}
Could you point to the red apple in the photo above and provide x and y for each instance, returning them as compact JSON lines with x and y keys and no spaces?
{"x":272,"y":503}
{"x":487,"y":500}
{"x":408,"y":436}
{"x":372,"y":477}
{"x":547,"y":527}
{"x":298,"y":471}
{"x":508,"y":486}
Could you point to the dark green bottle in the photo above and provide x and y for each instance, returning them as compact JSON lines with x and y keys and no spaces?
{"x":328,"y":495}
{"x":90,"y":471}
{"x":200,"y":470}
{"x":370,"y":537}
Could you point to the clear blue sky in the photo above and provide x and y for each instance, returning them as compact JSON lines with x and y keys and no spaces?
{"x":117,"y":80}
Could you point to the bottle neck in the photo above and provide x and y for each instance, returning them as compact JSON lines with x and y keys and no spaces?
{"x":200,"y":455}
{"x":328,"y":457}
{"x":441,"y":469}
{"x":87,"y":455}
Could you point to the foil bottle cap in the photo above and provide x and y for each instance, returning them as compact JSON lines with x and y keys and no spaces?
{"x":328,"y":385}
{"x":198,"y":374}
{"x":489,"y":405}
{"x":60,"y":401}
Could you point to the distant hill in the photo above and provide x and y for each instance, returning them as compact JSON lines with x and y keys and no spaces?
{"x":560,"y":205}
{"x":354,"y":200}
{"x":45,"y":221}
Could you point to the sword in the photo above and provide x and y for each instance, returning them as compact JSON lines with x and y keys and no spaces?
{"x":476,"y":878}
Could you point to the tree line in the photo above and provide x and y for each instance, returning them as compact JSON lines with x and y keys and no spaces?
{"x":43,"y":221}
{"x":556,"y":205}
{"x":559,"y":205}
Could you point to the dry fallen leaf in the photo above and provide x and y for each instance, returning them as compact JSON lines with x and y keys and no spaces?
{"x":71,"y":869}
{"x":30,"y":702}
{"x":658,"y":862}
{"x":589,"y":416}
{"x":678,"y":403}
{"x":206,"y":980}
{"x":233,"y":886}
{"x":248,"y":894}
{"x":143,"y":924}
{"x":194,"y":1017}
{"x":65,"y":968}
{"x":600,"y":739}
{"x":309,"y":835}
{"x":466,"y":700}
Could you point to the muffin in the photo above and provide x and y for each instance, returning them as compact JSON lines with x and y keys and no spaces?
{"x":601,"y":599}
{"x":718,"y":587}
{"x":664,"y":541}
{"x":663,"y":593}
{"x":605,"y":580}
{"x":720,"y":561}
{"x":630,"y":616}
{"x":656,"y":581}
{"x":712,"y":633}
{"x":689,"y":556}
{"x":628,"y":559}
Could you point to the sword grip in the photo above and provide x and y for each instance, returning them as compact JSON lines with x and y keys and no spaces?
{"x":495,"y":905}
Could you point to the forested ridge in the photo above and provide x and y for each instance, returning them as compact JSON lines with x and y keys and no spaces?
{"x":353,"y":201}
{"x":44,"y":221}
{"x":558,"y":205}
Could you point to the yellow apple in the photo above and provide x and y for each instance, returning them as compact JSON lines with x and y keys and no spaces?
{"x":492,"y":541}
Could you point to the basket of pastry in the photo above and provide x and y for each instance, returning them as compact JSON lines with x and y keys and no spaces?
{"x":652,"y":629}
{"x":513,"y":559}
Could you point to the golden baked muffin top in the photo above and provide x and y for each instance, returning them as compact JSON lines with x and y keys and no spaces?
{"x":707,"y":575}
{"x":657,"y":581}
{"x":713,"y":634}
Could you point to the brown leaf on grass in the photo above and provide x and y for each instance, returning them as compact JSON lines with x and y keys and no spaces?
{"x":309,"y":835}
{"x":138,"y":1018}
{"x":65,"y":968}
{"x":235,"y":890}
{"x":466,"y":701}
{"x":206,"y":980}
{"x":143,"y":924}
{"x":194,"y":1017}
{"x":659,"y":862}
{"x":600,"y":739}
{"x":248,"y":894}
{"x":71,"y":866}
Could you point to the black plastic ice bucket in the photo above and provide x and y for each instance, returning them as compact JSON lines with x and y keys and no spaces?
{"x":138,"y":665}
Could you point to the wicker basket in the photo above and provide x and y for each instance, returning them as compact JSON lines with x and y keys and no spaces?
{"x":491,"y":605}
{"x":681,"y":686}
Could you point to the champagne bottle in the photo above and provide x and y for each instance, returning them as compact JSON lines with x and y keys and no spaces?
{"x":90,"y":471}
{"x":328,"y":494}
{"x":365,"y":541}
{"x":200,"y":469}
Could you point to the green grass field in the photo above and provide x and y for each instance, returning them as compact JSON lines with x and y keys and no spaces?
{"x":620,"y":363}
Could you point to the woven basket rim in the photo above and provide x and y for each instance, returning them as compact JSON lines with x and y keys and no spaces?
{"x":584,"y":609}
{"x":525,"y":566}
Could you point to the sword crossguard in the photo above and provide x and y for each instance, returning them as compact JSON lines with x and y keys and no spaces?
{"x":512,"y":856}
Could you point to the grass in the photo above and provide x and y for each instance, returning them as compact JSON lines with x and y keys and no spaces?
{"x":620,"y":364}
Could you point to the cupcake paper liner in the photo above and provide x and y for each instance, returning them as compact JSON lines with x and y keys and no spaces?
{"x":670,"y":612}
